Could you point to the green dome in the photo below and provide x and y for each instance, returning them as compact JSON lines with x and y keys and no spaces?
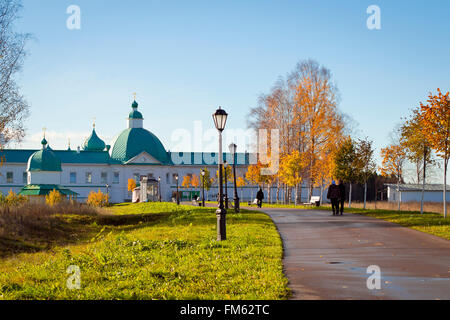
{"x":135,"y":115}
{"x":133,"y":141}
{"x":44,"y":160}
{"x":94,"y":143}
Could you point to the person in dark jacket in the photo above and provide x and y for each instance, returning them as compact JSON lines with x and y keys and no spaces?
{"x":334,"y":196}
{"x":260,"y":197}
{"x":342,"y":198}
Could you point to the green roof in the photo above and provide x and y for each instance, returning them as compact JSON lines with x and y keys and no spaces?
{"x":135,"y":115}
{"x":133,"y":141}
{"x":94,"y":143}
{"x":44,"y":160}
{"x":44,"y":189}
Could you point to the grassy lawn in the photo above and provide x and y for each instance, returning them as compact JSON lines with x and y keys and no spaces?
{"x":155,"y":251}
{"x":432,"y":223}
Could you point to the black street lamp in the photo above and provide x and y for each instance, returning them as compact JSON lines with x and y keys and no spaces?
{"x":233,"y":148}
{"x":178,"y":198}
{"x":225,"y":165}
{"x":220,"y":119}
{"x":203,"y":187}
{"x":159,"y":188}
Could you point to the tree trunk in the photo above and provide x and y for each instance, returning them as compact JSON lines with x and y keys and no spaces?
{"x":321,"y":193}
{"x":445,"y":186}
{"x":350,"y":196}
{"x":296,"y":194}
{"x":365,"y":194}
{"x":423,"y":179}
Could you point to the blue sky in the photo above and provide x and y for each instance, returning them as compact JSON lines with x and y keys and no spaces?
{"x":185,"y":58}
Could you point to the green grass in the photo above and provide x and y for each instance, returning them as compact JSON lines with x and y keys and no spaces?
{"x":157,"y":251}
{"x":432,"y":223}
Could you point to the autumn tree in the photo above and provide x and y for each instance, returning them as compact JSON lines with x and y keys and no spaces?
{"x":435,"y":118}
{"x":195,"y":181}
{"x":364,"y":163}
{"x":291,"y":166}
{"x":418,"y":148}
{"x":393,"y":160}
{"x":316,"y":111}
{"x":13,"y":107}
{"x":240,"y":183}
{"x":345,"y":164}
{"x":187,"y":181}
{"x":131,"y":185}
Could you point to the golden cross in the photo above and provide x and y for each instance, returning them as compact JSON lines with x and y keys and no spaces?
{"x":134,"y":95}
{"x":44,"y":129}
{"x":93,"y":121}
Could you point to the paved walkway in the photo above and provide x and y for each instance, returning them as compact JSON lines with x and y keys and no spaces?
{"x":326,"y":257}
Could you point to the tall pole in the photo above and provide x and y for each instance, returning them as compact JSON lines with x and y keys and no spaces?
{"x":236,"y":198}
{"x":178,"y":198}
{"x":226,"y":188}
{"x":203,"y":188}
{"x":159,"y":188}
{"x":221,"y":212}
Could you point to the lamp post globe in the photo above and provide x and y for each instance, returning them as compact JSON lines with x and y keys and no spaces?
{"x":220,"y":120}
{"x":233,"y":147}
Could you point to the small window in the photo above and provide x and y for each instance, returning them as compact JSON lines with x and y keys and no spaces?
{"x":174,"y":178}
{"x":73,"y":177}
{"x":88,"y":177}
{"x":24,"y":177}
{"x":167,"y":178}
{"x":104,"y":177}
{"x":116,"y":177}
{"x":136,"y":177}
{"x":9,"y":177}
{"x":150,"y":176}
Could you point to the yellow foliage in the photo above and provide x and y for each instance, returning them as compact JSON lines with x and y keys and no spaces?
{"x":186,"y":181}
{"x":98,"y":199}
{"x":195,"y":181}
{"x":291,"y":166}
{"x":14,"y":199}
{"x":131,"y":184}
{"x":240,"y":182}
{"x":53,"y":198}
{"x":394,"y":157}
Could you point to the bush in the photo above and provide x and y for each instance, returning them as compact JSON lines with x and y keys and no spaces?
{"x":13,"y":199}
{"x":53,"y":198}
{"x":98,"y":199}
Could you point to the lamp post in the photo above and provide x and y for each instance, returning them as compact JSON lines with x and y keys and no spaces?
{"x":220,"y":119}
{"x":225,"y":165}
{"x":159,"y":188}
{"x":178,"y":198}
{"x":233,"y":148}
{"x":203,"y":187}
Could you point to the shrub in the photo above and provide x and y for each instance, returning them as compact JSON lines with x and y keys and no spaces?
{"x":13,"y":199}
{"x":98,"y":199}
{"x":53,"y":198}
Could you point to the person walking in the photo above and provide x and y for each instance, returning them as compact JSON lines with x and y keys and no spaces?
{"x":342,"y":194}
{"x":260,"y":197}
{"x":334,"y":196}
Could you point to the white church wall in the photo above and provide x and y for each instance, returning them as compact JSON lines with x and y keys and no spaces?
{"x":17,"y":182}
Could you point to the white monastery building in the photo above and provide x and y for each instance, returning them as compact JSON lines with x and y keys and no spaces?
{"x":136,"y":153}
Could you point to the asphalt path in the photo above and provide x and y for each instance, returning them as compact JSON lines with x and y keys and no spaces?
{"x":326,"y":257}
